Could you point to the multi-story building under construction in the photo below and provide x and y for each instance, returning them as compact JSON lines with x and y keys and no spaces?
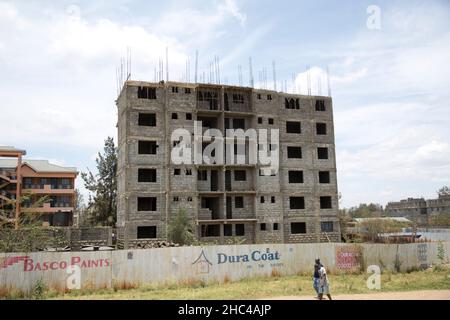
{"x":225,"y":201}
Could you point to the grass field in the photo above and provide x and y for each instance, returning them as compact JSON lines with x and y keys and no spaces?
{"x":299,"y":285}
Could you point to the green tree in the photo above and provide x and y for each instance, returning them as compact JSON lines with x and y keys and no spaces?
{"x":103,"y":186}
{"x":79,"y":208}
{"x":344,"y":219}
{"x":180,"y":229}
{"x":30,"y":234}
{"x":364,"y":210}
{"x":444,"y":191}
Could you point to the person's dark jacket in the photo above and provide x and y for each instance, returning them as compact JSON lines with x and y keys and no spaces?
{"x":316,"y":270}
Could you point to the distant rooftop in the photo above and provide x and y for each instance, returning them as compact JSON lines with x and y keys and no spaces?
{"x":37,"y":165}
{"x":398,"y":219}
{"x":12,"y":149}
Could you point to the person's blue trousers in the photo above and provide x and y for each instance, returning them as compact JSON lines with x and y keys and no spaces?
{"x":316,"y":285}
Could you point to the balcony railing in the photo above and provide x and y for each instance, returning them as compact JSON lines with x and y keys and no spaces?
{"x":48,"y":186}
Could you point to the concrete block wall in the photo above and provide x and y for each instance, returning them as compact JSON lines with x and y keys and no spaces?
{"x":247,"y":184}
{"x":248,"y":211}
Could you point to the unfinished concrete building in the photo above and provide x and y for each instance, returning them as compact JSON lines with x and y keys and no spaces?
{"x":225,"y":201}
{"x":419,"y":210}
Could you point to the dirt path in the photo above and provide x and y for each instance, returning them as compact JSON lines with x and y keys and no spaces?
{"x":407,"y":295}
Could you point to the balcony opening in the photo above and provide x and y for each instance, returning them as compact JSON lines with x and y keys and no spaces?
{"x":146,"y":232}
{"x":202,"y":175}
{"x":147,"y":119}
{"x":240,"y":230}
{"x":295,"y":176}
{"x":213,"y":204}
{"x":239,"y":202}
{"x":146,"y":93}
{"x":325,"y":202}
{"x":208,"y":99}
{"x":324,"y":176}
{"x":322,"y":153}
{"x":320,"y":105}
{"x":237,"y":100}
{"x":293,"y":127}
{"x":214,"y":180}
{"x":146,"y":175}
{"x":211,"y":230}
{"x":294,"y":152}
{"x":228,"y":180}
{"x":146,"y":204}
{"x":239,"y":124}
{"x":208,"y":123}
{"x":296,"y":203}
{"x":321,"y":128}
{"x":147,"y":147}
{"x":298,"y":227}
{"x":227,"y":230}
{"x":240,"y":175}
{"x":229,"y":209}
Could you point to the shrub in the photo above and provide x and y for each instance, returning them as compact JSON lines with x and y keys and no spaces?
{"x":180,"y":229}
{"x":38,"y":290}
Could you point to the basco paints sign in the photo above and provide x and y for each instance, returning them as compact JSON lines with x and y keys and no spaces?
{"x":29,"y":264}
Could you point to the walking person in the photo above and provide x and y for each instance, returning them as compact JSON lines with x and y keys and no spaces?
{"x":316,"y":276}
{"x":324,"y":284}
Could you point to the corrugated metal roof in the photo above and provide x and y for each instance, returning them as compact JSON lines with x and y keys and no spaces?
{"x":398,"y":219}
{"x":10,"y":148}
{"x":37,"y":165}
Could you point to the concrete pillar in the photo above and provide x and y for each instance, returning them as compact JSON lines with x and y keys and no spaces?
{"x":18,"y":191}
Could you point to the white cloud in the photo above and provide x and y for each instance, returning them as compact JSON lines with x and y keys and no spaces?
{"x":390,"y":94}
{"x":198,"y":26}
{"x":319,"y":79}
{"x":231,"y":7}
{"x":67,"y":69}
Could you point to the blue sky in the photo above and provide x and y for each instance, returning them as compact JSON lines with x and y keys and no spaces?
{"x":390,"y":86}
